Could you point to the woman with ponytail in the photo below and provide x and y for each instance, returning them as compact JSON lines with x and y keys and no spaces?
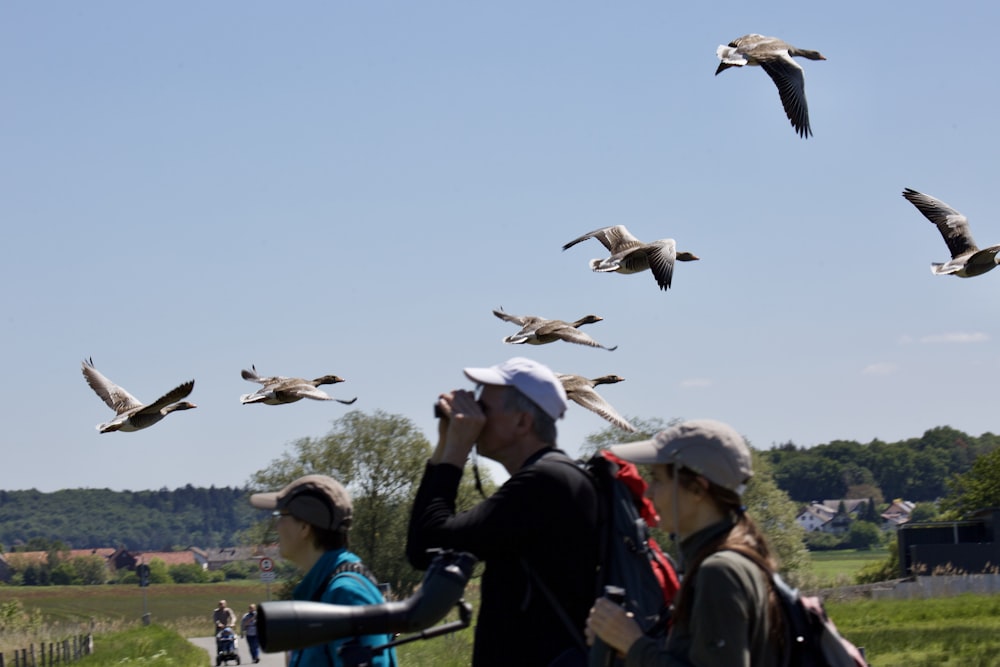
{"x":726,"y":613}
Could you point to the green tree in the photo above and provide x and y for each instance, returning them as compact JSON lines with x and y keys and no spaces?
{"x":380,"y":458}
{"x":90,"y":570}
{"x":861,"y":483}
{"x":187,"y":573}
{"x":645,"y":429}
{"x":979,"y":488}
{"x":158,"y":572}
{"x":863,"y":535}
{"x":62,"y":574}
{"x":924,"y":512}
{"x":775,"y":513}
{"x":808,"y":476}
{"x":870,"y":513}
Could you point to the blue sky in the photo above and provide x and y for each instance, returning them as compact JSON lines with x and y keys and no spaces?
{"x":350,"y":188}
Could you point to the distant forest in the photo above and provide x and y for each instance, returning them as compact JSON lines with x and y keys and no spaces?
{"x":917,"y":469}
{"x":135,"y":520}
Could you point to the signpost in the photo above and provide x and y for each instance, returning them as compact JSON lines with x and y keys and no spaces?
{"x":267,"y":573}
{"x":143,"y":571}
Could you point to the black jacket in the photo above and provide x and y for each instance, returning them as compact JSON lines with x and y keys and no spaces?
{"x":543,"y":517}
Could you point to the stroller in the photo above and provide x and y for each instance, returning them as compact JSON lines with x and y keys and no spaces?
{"x":226,"y":643}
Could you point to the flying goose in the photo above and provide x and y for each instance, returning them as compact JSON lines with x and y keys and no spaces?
{"x":539,"y":331}
{"x":130,"y":413}
{"x":630,"y":255}
{"x":967,"y":260}
{"x":581,"y":391}
{"x":278,"y":390}
{"x":775,"y":57}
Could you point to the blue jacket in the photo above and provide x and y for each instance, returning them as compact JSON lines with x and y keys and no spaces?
{"x":347,"y":588}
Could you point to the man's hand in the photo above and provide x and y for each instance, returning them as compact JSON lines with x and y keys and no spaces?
{"x":459,"y":428}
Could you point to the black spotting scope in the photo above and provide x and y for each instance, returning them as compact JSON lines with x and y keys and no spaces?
{"x":293,"y":624}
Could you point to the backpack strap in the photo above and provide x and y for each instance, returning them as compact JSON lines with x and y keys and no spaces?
{"x":604,"y":517}
{"x":355,"y":569}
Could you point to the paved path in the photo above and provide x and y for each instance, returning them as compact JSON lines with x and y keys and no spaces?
{"x":266,"y":659}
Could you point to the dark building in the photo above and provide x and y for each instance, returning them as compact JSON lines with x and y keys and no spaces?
{"x":969,"y":546}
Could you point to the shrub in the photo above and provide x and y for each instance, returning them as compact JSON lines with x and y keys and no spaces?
{"x":820,"y":541}
{"x":14,"y":618}
{"x":881,"y":570}
{"x":187,"y":573}
{"x":863,"y":535}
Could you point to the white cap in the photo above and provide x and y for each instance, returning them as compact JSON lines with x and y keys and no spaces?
{"x":531,"y":378}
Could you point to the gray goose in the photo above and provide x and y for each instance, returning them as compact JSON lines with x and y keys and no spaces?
{"x":967,"y":260}
{"x":130,"y":413}
{"x":775,"y":57}
{"x":630,"y":255}
{"x":540,"y":331}
{"x":278,"y":390}
{"x":581,"y":391}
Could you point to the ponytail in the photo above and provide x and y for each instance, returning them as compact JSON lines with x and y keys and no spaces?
{"x":745,"y":538}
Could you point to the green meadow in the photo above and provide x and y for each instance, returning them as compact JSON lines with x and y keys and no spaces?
{"x":960,"y":631}
{"x":837,"y":568}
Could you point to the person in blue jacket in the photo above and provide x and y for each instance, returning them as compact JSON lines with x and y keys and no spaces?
{"x":313,"y":518}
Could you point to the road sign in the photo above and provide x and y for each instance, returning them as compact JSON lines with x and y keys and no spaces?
{"x":267,"y":573}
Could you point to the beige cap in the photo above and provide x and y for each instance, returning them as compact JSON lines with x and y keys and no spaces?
{"x":710,"y":448}
{"x":318,"y":500}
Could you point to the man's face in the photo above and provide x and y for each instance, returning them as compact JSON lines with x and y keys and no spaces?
{"x":500,"y":423}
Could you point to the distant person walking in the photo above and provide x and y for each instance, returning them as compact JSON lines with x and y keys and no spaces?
{"x":248,"y":628}
{"x":222,"y":617}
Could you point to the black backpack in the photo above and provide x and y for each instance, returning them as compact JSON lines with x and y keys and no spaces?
{"x":812,"y":639}
{"x":629,"y":559}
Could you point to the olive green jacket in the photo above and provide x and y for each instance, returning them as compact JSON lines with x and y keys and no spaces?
{"x":729,"y":622}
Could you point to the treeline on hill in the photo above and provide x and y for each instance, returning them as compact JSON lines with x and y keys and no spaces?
{"x":917,"y":469}
{"x":134,"y":520}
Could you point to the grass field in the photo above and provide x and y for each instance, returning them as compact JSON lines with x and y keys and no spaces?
{"x":186,"y":608}
{"x":960,"y":631}
{"x":837,"y":568}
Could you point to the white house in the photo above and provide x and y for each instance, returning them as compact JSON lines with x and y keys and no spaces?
{"x":897,"y":514}
{"x":814,"y":517}
{"x":822,"y":515}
